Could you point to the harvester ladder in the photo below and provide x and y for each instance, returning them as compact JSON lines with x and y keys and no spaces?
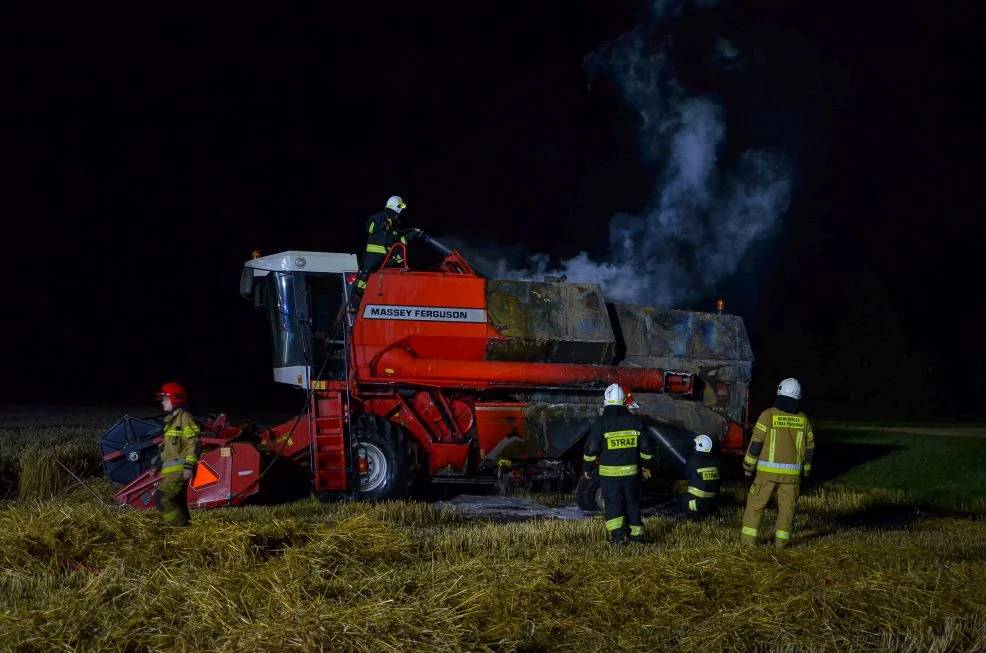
{"x":329,"y":441}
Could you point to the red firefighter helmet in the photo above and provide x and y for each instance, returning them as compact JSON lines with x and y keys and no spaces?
{"x":630,"y":402}
{"x":175,"y":392}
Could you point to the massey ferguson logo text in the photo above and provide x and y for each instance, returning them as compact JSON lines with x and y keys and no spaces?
{"x":424,"y":313}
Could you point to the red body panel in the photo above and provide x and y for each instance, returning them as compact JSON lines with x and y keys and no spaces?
{"x":139,"y":493}
{"x":496,"y":422}
{"x":226,"y":475}
{"x":430,"y":339}
{"x":235,"y":469}
{"x":290,"y":438}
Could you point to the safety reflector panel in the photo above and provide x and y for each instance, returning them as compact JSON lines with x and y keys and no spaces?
{"x":225,"y":476}
{"x":204,"y":476}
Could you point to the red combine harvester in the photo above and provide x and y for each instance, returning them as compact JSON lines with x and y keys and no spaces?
{"x":443,"y":375}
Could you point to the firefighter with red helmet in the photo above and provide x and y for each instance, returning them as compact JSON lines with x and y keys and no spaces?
{"x":634,"y":408}
{"x":618,"y":441}
{"x":781,"y":451}
{"x":630,"y":402}
{"x":179,"y":455}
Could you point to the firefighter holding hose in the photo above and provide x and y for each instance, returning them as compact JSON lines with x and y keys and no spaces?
{"x":702,"y":478}
{"x":179,"y":455}
{"x":382,"y":231}
{"x":618,"y":442}
{"x":781,"y":452}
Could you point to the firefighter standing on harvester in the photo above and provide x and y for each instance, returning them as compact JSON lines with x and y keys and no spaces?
{"x":382,"y":231}
{"x":617,"y":440}
{"x":781,"y":450}
{"x":179,"y":455}
{"x":702,"y":478}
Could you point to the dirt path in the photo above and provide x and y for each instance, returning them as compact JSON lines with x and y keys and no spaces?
{"x":507,"y":509}
{"x":953,"y":431}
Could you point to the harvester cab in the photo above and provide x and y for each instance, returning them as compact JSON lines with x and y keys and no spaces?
{"x":303,"y":295}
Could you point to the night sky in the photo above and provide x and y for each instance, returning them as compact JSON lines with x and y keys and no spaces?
{"x":147,"y":152}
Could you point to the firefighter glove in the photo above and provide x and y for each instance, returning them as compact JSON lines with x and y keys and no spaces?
{"x":747,"y":470}
{"x":186,"y":474}
{"x":646,"y":473}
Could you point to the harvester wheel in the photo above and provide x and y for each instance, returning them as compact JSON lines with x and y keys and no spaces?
{"x":589,"y":494}
{"x":383,"y":452}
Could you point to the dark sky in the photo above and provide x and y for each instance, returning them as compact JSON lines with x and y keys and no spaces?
{"x":147,"y":151}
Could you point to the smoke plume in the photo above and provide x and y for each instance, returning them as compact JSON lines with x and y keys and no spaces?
{"x":704,"y":212}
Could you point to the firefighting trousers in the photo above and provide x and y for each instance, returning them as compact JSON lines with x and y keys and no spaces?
{"x":694,"y":507}
{"x":171,"y":499}
{"x":371,"y":263}
{"x":756,"y":501}
{"x":621,"y":507}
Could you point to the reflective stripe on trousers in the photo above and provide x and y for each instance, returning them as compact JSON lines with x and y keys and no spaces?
{"x":779,"y":468}
{"x":173,"y":465}
{"x":617,"y":470}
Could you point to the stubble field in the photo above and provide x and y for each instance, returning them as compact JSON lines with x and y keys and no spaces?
{"x":889,"y":553}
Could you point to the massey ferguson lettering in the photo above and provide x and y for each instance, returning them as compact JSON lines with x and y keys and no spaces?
{"x":424,"y":313}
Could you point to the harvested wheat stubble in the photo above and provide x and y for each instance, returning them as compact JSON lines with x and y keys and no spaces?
{"x":404,"y":576}
{"x":869,"y":570}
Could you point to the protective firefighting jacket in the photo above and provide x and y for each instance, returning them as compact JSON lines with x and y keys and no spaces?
{"x":782,"y":446}
{"x":180,"y":448}
{"x":618,"y":439}
{"x":381,"y":233}
{"x":702,"y":475}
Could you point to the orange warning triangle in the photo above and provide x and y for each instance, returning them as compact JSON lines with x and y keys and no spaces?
{"x":204,"y":476}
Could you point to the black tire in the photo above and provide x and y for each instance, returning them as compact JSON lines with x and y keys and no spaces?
{"x":589,"y":494}
{"x":390,"y":458}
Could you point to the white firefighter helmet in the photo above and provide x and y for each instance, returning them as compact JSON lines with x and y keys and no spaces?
{"x":396,"y":204}
{"x":614,"y":395}
{"x":703,"y":443}
{"x":789,"y":388}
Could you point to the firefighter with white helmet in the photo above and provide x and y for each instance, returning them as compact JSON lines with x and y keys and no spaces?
{"x":180,"y":451}
{"x":781,"y":452}
{"x":382,"y":231}
{"x":617,"y":440}
{"x":702,"y":478}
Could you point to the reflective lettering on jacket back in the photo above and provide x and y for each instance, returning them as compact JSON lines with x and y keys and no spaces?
{"x":709,"y":473}
{"x":788,"y":422}
{"x":621,"y":439}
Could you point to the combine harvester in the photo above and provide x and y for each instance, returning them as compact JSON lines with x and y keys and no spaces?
{"x":446,"y":376}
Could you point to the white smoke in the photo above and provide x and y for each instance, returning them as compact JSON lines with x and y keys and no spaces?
{"x":703,"y":215}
